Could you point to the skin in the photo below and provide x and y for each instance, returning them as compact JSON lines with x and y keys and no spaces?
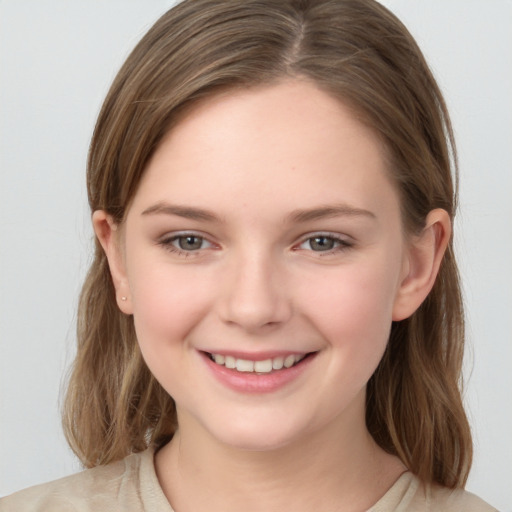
{"x":278,"y":169}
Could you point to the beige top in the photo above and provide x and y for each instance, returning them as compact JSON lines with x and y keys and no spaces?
{"x":131,"y":485}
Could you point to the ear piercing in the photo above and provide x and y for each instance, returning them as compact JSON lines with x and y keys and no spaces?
{"x":123,"y":298}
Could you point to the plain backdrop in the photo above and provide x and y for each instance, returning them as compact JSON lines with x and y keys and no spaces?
{"x":57,"y":59}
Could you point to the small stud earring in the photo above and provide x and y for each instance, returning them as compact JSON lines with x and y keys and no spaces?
{"x":123,"y":298}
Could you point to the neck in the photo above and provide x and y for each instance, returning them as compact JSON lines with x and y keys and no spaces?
{"x":330,"y":470}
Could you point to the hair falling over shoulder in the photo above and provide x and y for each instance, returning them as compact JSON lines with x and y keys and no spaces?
{"x":357,"y":51}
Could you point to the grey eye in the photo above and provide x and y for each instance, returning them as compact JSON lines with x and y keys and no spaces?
{"x":189,"y":242}
{"x":320,"y":243}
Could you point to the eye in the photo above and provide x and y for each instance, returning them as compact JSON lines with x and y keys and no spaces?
{"x":320,"y":243}
{"x":189,"y":242}
{"x":324,"y":243}
{"x":185,"y":243}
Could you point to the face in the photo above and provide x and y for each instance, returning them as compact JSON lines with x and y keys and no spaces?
{"x":262,"y":259}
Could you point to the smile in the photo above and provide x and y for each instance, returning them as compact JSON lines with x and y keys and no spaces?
{"x":262,"y":373}
{"x":264,"y":366}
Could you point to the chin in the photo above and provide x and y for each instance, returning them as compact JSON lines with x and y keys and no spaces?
{"x":257,"y":442}
{"x":256,"y":434}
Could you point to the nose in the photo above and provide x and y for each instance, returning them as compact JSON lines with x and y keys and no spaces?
{"x":255,"y":295}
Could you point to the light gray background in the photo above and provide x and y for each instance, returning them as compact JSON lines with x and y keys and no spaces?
{"x":57,"y":59}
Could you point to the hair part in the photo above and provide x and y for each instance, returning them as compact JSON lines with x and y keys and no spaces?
{"x":358,"y":52}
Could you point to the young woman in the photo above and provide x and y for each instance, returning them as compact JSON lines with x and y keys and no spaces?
{"x":273,"y":318}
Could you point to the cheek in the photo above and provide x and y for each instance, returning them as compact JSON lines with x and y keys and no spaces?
{"x":352,"y":308}
{"x":167,"y":303}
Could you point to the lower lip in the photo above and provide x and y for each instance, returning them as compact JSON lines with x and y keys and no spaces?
{"x":248,"y":382}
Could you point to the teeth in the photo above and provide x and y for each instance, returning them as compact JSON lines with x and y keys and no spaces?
{"x":242,"y":365}
{"x":219,"y":359}
{"x":265,"y":366}
{"x":289,"y":361}
{"x":277,"y":363}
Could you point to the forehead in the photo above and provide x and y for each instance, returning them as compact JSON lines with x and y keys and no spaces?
{"x":288,"y":137}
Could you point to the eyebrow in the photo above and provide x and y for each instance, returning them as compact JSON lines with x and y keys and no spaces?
{"x":328,"y":211}
{"x":186,"y":212}
{"x":305,"y":215}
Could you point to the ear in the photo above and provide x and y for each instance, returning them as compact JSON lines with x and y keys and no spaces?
{"x":108,"y":235}
{"x":423,"y":259}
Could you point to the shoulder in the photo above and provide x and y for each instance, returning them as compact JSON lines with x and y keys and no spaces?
{"x":115,"y":486}
{"x":409,"y":494}
{"x":440,"y":498}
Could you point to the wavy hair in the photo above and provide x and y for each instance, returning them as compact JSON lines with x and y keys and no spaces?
{"x":357,"y":51}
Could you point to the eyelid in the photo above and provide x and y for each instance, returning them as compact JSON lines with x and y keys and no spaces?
{"x":166,"y":241}
{"x":344,"y":242}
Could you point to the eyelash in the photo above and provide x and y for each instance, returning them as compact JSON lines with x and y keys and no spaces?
{"x":168,"y":244}
{"x":339,"y":244}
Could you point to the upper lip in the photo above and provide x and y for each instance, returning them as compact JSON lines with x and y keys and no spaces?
{"x":256,"y":356}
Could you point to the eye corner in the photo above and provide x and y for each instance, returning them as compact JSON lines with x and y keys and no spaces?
{"x":186,"y":243}
{"x":324,"y":243}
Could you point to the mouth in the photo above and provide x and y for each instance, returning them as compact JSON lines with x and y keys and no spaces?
{"x":258,"y":373}
{"x":261,"y":367}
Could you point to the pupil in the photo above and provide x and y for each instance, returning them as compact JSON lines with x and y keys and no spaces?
{"x":322,"y":243}
{"x":190,"y":242}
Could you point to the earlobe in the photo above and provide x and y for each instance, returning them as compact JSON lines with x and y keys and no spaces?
{"x":423,"y":260}
{"x":107,"y":233}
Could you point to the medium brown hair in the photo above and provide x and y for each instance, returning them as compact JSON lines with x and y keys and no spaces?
{"x":357,"y":51}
